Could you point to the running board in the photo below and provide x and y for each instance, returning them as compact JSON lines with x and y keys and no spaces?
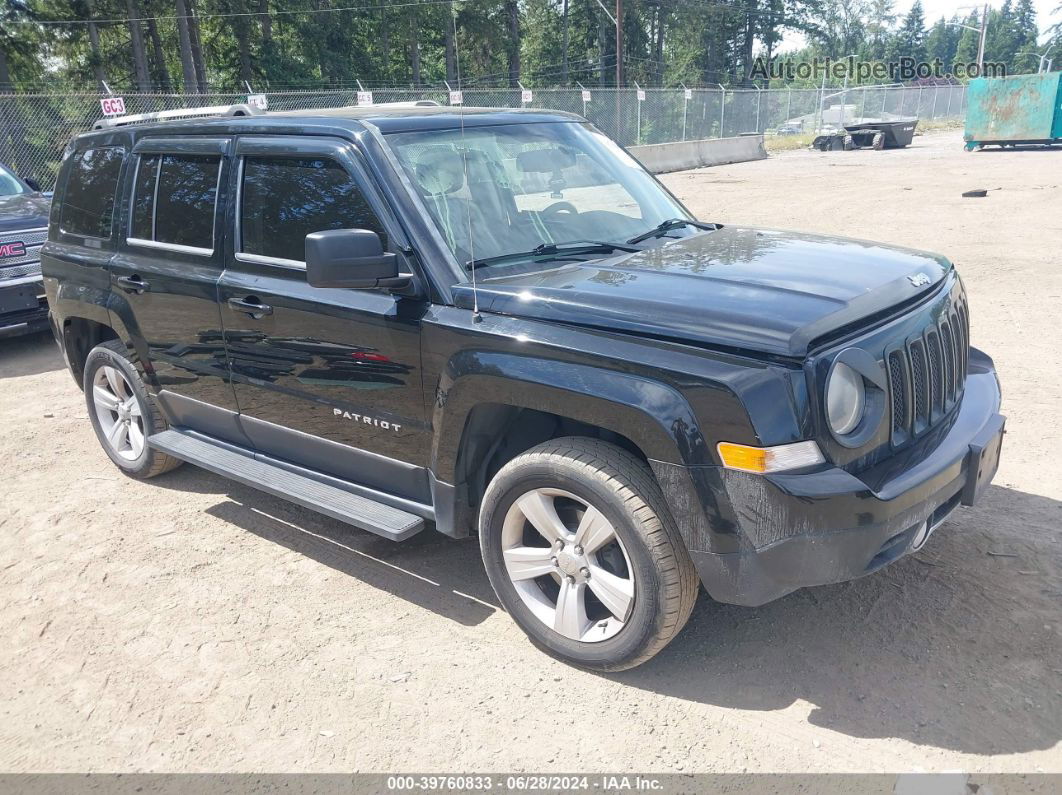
{"x":363,"y":513}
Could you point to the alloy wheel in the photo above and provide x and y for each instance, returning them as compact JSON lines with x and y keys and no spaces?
{"x":118,"y":412}
{"x":568,"y":565}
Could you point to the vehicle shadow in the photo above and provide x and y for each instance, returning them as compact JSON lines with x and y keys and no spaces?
{"x":31,"y":354}
{"x":432,"y":571}
{"x":957,"y":646}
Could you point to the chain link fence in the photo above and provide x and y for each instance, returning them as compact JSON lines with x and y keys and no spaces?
{"x":34,"y":128}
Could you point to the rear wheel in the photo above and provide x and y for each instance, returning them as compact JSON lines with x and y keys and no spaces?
{"x":583,"y":555}
{"x":122,"y":412}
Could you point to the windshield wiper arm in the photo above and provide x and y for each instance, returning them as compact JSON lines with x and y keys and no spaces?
{"x":668,"y":225}
{"x":555,"y":250}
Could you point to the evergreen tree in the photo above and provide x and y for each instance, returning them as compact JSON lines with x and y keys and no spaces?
{"x":1026,"y":33}
{"x":966,"y":51}
{"x":943,"y":41}
{"x":910,"y":40}
{"x":1001,"y":39}
{"x":880,"y":19}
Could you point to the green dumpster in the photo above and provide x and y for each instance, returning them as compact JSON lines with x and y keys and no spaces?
{"x":1024,"y":109}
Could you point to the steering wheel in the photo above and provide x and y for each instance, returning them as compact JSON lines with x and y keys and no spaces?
{"x":560,"y":207}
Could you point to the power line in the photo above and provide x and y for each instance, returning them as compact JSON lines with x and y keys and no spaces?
{"x":376,"y":7}
{"x":294,"y":12}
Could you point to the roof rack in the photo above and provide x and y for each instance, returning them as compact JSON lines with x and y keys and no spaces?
{"x":182,"y":113}
{"x":413,"y":103}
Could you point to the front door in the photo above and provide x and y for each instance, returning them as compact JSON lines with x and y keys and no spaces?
{"x":165,"y":279}
{"x":328,"y":379}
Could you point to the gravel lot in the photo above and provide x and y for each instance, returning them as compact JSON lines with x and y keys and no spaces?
{"x":192,"y":624}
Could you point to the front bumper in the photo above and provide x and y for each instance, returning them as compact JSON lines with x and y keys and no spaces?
{"x":829,"y":526}
{"x":23,"y":307}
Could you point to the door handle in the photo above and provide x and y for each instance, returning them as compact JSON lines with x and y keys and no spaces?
{"x":251,"y":306}
{"x":132,"y":284}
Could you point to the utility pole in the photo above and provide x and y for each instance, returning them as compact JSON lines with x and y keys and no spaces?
{"x":981,"y":35}
{"x":617,"y":20}
{"x":981,"y":43}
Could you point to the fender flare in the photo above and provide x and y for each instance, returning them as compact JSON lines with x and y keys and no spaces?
{"x":653,"y":415}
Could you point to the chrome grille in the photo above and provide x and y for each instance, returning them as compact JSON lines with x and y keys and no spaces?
{"x":15,"y":271}
{"x":30,"y":262}
{"x":927,"y":374}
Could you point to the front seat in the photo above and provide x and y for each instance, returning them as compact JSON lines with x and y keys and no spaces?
{"x":440,"y":174}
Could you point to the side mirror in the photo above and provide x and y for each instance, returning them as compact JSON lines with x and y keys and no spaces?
{"x":352,"y":258}
{"x":34,"y":185}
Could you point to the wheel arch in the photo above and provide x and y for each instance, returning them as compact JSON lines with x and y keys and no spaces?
{"x":80,"y":336}
{"x":491,"y":406}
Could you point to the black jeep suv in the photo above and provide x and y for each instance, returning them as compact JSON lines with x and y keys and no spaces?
{"x":23,"y":230}
{"x":497,"y":322}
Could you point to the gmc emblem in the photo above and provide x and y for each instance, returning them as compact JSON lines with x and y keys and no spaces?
{"x":14,"y":249}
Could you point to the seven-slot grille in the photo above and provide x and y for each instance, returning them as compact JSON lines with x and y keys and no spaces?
{"x":927,"y":374}
{"x":28,"y":263}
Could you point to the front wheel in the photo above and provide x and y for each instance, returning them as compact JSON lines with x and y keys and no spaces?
{"x":583,"y":555}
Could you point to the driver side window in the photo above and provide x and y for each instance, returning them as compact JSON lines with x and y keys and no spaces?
{"x":283,"y":199}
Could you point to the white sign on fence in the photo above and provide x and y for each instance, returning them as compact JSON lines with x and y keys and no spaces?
{"x":526,"y":97}
{"x":689,"y":93}
{"x":364,"y":98}
{"x":112,"y":106}
{"x":641,"y":95}
{"x":260,"y":101}
{"x":457,"y":98}
{"x":586,"y":95}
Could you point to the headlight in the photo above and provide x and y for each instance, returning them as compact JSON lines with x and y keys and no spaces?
{"x":845,"y":399}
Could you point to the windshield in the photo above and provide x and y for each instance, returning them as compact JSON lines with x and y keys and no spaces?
{"x":507,"y":189}
{"x":9,"y":184}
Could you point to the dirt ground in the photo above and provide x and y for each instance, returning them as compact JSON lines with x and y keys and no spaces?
{"x":192,"y":624}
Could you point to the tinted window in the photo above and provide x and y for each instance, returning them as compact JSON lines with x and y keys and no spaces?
{"x":88,"y":203}
{"x":285,"y":199}
{"x":173,"y":201}
{"x":184,"y":211}
{"x":147,"y":174}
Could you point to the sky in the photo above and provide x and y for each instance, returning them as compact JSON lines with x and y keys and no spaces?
{"x":935,"y":9}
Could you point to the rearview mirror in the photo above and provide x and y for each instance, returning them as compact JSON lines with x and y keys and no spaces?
{"x":33,"y":184}
{"x":545,"y":161}
{"x":352,"y":258}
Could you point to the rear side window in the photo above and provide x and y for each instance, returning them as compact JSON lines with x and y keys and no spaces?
{"x":88,"y":203}
{"x":284,"y":199}
{"x":174,"y":198}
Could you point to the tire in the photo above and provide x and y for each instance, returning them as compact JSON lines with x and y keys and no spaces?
{"x":600,"y":488}
{"x":109,"y":373}
{"x":878,"y":141}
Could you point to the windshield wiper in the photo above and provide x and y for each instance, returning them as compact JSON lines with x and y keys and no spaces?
{"x":668,"y":225}
{"x":555,"y":250}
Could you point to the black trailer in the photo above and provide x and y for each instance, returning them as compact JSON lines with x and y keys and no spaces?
{"x":882,"y":133}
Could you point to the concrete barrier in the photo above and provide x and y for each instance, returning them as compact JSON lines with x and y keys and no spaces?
{"x":678,"y":156}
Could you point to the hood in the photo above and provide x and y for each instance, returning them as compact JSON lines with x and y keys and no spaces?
{"x":753,"y":289}
{"x":23,"y":211}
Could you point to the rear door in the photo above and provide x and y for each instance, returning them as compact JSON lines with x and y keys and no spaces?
{"x":165,"y":278}
{"x":325,"y":378}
